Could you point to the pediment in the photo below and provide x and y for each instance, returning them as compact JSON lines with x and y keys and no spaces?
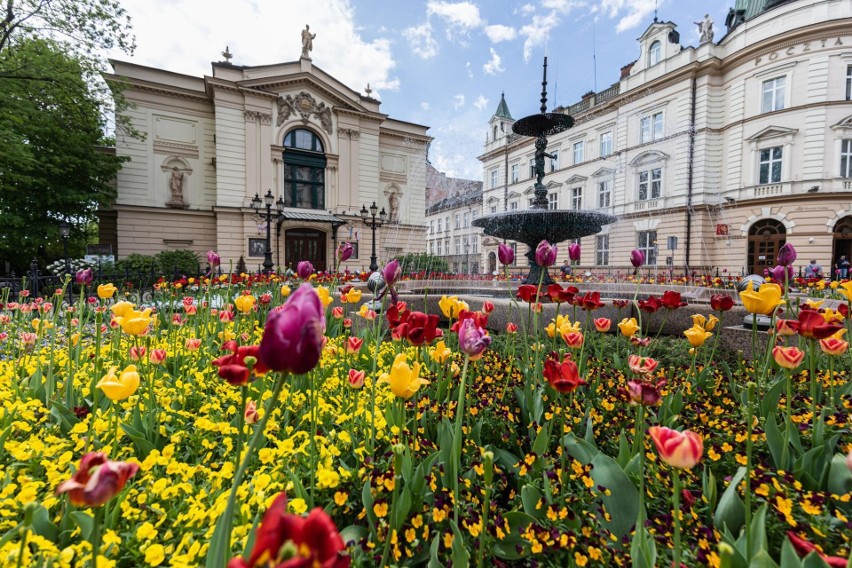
{"x":649,"y":157}
{"x":513,"y":195}
{"x":553,"y":185}
{"x":604,"y":172}
{"x":529,"y":190}
{"x":772,"y":132}
{"x":336,"y":94}
{"x":843,"y":124}
{"x":576,"y":179}
{"x":492,"y":199}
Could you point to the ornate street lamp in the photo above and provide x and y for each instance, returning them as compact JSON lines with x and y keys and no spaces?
{"x":374,"y":223}
{"x":268,"y":200}
{"x":65,"y":232}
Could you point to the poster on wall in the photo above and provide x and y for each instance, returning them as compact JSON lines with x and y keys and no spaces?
{"x":257,"y":247}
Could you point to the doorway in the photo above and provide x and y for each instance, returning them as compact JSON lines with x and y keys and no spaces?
{"x":304,"y":244}
{"x":492,"y":262}
{"x":842,"y":242}
{"x":765,"y":239}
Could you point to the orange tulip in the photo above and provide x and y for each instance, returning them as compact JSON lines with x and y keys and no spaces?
{"x":833,"y":346}
{"x":678,"y":449}
{"x":788,"y":357}
{"x":603,"y":324}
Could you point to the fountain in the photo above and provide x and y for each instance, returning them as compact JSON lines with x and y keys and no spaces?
{"x":539,"y":223}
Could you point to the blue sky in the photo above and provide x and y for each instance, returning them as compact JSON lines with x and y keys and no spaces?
{"x":442,"y":63}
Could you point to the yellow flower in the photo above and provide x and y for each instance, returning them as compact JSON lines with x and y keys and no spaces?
{"x":106,"y":291}
{"x":121,"y":387}
{"x":244,"y":304}
{"x":404,"y":381}
{"x":324,"y":296}
{"x":380,"y":509}
{"x":285,"y":291}
{"x":440,"y":353}
{"x":844,"y":289}
{"x":830,"y":316}
{"x":297,"y":506}
{"x":155,"y":554}
{"x":146,"y":531}
{"x":814,"y":303}
{"x":121,"y":307}
{"x":37,"y":323}
{"x":707,"y":324}
{"x":628,"y":327}
{"x":352,"y":297}
{"x":451,"y":306}
{"x":340,"y":498}
{"x":133,"y":322}
{"x":764,"y":301}
{"x":696,"y":335}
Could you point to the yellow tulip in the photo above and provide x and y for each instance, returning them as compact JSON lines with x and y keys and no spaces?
{"x":843,"y":288}
{"x":830,"y":316}
{"x":121,"y":387}
{"x":628,"y":327}
{"x":121,"y":307}
{"x":353,"y":296}
{"x":324,"y":295}
{"x":106,"y":291}
{"x":451,"y":306}
{"x":707,"y":324}
{"x":285,"y":291}
{"x":697,"y":336}
{"x":440,"y":353}
{"x":133,"y":322}
{"x":404,"y":381}
{"x":764,"y":301}
{"x":244,"y":304}
{"x":37,"y":324}
{"x":813,"y":303}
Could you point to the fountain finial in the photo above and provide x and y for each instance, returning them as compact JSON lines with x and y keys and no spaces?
{"x":544,"y":88}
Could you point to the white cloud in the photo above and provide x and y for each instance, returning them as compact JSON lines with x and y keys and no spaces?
{"x":184,"y":36}
{"x":425,"y":106}
{"x":631,"y":13}
{"x":562,"y":6}
{"x":480,"y":103}
{"x":497,"y":33}
{"x":458,"y":101}
{"x":526,"y":9}
{"x":469,"y":69}
{"x":420,"y":40}
{"x":460,"y":16}
{"x":494,"y":65}
{"x":538,"y":31}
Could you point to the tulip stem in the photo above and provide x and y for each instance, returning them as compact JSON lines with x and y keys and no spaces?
{"x":96,"y":535}
{"x":749,"y":445}
{"x":241,"y":415}
{"x":93,"y":389}
{"x":676,"y":512}
{"x":814,"y":389}
{"x":457,"y":441}
{"x":313,"y":445}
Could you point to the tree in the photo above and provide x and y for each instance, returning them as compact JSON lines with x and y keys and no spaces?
{"x":53,"y":163}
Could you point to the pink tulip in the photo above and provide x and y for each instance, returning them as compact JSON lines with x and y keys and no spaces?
{"x":574,"y":251}
{"x":637,"y":258}
{"x":356,"y":378}
{"x":391,"y":272}
{"x":213,"y":259}
{"x":97,"y":480}
{"x":473,"y":340}
{"x":344,"y":252}
{"x":505,"y":254}
{"x":304,"y":269}
{"x":545,"y":254}
{"x":682,"y":450}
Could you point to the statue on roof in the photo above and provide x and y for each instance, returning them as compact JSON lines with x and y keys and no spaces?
{"x":705,"y":28}
{"x":307,"y":42}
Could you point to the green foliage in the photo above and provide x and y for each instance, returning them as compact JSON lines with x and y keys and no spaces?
{"x":241,"y":266}
{"x":419,"y":262}
{"x":51,"y":166}
{"x":136,"y":263}
{"x":180,"y":262}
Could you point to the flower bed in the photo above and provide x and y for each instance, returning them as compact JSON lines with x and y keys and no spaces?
{"x":252,"y":433}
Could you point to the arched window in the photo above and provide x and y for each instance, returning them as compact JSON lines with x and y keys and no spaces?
{"x":765,"y":239}
{"x":842,"y":239}
{"x":654,"y":53}
{"x":495,"y":133}
{"x":304,"y":170}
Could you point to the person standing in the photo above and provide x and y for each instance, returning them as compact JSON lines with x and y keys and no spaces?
{"x":813,"y":270}
{"x":843,"y":267}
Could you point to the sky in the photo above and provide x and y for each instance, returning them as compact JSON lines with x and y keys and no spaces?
{"x":440,"y":63}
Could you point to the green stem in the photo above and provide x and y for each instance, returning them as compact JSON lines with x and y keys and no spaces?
{"x":241,"y":421}
{"x":814,"y":389}
{"x":457,"y":440}
{"x":93,"y":390}
{"x":96,"y":535}
{"x":749,"y":446}
{"x":676,"y":500}
{"x":26,"y":533}
{"x":313,"y":445}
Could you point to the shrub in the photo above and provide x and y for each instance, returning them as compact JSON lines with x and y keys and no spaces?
{"x":136,"y":263}
{"x":422,"y":262}
{"x":178,"y":262}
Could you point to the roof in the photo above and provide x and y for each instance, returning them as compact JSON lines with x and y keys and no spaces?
{"x":469,"y":198}
{"x":503,"y":109}
{"x":311,"y":217}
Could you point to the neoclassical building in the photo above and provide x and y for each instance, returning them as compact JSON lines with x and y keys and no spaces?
{"x":452,"y":204}
{"x":711,"y":156}
{"x":322,"y":149}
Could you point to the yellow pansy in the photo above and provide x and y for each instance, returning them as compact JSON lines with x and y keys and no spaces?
{"x":628,"y":327}
{"x":404,"y":381}
{"x":121,"y":387}
{"x":697,"y":335}
{"x":767,"y":298}
{"x":440,"y":353}
{"x":245,"y":303}
{"x":134,"y":322}
{"x":155,"y":555}
{"x":106,"y":291}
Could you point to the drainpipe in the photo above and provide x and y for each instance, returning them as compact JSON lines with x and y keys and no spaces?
{"x":506,"y":174}
{"x":690,"y":168}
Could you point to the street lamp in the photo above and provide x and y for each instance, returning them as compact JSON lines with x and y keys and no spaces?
{"x":467,"y":253}
{"x":374,"y":224}
{"x":268,"y":200}
{"x":65,"y":232}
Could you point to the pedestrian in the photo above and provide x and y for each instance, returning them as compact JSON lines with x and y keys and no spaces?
{"x":813,"y":270}
{"x":566,"y":268}
{"x":843,"y":267}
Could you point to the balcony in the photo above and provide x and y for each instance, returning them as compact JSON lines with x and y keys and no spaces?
{"x":647,"y":205}
{"x":768,"y":190}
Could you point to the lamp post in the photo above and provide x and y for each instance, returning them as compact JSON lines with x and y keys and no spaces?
{"x":268,"y":200}
{"x":374,"y":224}
{"x":467,"y":253}
{"x":65,"y":232}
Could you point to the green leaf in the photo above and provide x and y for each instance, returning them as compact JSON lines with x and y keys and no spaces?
{"x":531,"y":497}
{"x":65,"y":418}
{"x":775,"y":442}
{"x":460,"y":556}
{"x":762,"y":560}
{"x":143,"y":446}
{"x":757,"y":531}
{"x":579,"y":449}
{"x":401,"y":508}
{"x":42,"y":525}
{"x":730,"y":512}
{"x":789,"y":556}
{"x":220,"y":546}
{"x":85,"y":521}
{"x":813,"y":560}
{"x":643,"y":549}
{"x":622,"y":503}
{"x":434,"y":559}
{"x":354,"y":533}
{"x":539,"y":447}
{"x":839,"y":477}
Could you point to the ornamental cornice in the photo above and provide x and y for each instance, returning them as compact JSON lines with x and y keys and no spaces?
{"x":349,"y":133}
{"x":254,"y":116}
{"x":159,"y":90}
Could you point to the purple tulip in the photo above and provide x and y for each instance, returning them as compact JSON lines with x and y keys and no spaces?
{"x":506,"y":254}
{"x":545,"y":254}
{"x":637,"y":258}
{"x":473,"y":340}
{"x":213,"y":259}
{"x":787,"y":255}
{"x":781,"y":274}
{"x":344,"y":251}
{"x":292,"y":338}
{"x":391,"y":272}
{"x":574,"y":251}
{"x":304,"y":269}
{"x":84,"y":277}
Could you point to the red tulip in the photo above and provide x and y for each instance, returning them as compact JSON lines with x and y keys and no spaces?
{"x":651,"y":305}
{"x":337,"y":312}
{"x":97,"y":480}
{"x":511,"y":328}
{"x":487,"y":307}
{"x":678,"y":449}
{"x":589,"y":301}
{"x":642,"y":365}
{"x":573,"y":339}
{"x":292,"y":338}
{"x":527,"y":293}
{"x":671,"y":300}
{"x":721,"y":302}
{"x":419,"y":328}
{"x":313,"y":540}
{"x":812,"y":325}
{"x":640,"y":392}
{"x":783,"y":328}
{"x":620,"y":303}
{"x":353,"y":345}
{"x":238,"y":367}
{"x":602,"y":324}
{"x":803,"y":548}
{"x":564,"y":377}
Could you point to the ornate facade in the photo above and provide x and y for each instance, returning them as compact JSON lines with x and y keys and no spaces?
{"x":212,"y":143}
{"x":711,"y":156}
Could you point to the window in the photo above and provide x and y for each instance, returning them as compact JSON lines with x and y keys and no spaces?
{"x":493,"y":179}
{"x":513,"y":206}
{"x":605,"y":193}
{"x":770,"y":165}
{"x":476,"y":244}
{"x":849,"y":82}
{"x":440,"y":248}
{"x":602,"y":250}
{"x":773,"y":94}
{"x":648,"y":245}
{"x":532,"y":167}
{"x":606,"y":144}
{"x":650,"y":184}
{"x":458,"y":221}
{"x":466,"y":220}
{"x":458,"y":245}
{"x":447,"y":227}
{"x":304,"y":170}
{"x":651,"y":127}
{"x":579,"y":150}
{"x":431,"y":227}
{"x":654,"y":53}
{"x":553,"y":201}
{"x":456,"y":267}
{"x":439,"y":225}
{"x":554,"y":161}
{"x":846,"y":159}
{"x":515,"y":173}
{"x":576,"y":198}
{"x":432,"y":247}
{"x":494,"y":209}
{"x":447,"y":246}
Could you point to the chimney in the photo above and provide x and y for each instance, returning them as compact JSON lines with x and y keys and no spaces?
{"x":625,"y":71}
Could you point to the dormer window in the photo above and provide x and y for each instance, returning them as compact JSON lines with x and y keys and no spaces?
{"x":654,"y":53}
